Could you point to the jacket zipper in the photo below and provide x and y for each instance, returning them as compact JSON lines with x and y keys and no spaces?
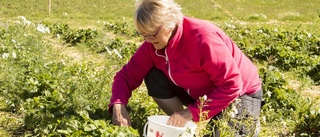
{"x":168,"y":65}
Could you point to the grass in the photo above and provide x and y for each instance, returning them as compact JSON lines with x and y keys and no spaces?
{"x":71,"y":9}
{"x":8,"y":121}
{"x":289,"y":14}
{"x":286,"y":10}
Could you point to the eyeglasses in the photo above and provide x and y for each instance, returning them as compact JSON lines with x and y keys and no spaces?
{"x":151,"y":36}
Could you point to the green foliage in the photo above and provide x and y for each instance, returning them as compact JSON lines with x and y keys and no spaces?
{"x":140,"y":107}
{"x":73,"y":36}
{"x":287,"y":103}
{"x":121,"y":28}
{"x":284,"y":49}
{"x":58,"y":97}
{"x":314,"y":73}
{"x":55,"y":97}
{"x":308,"y":123}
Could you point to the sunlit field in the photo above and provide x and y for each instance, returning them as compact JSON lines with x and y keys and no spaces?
{"x":58,"y":59}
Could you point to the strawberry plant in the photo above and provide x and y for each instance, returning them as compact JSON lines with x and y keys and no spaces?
{"x":73,"y":36}
{"x":314,"y":73}
{"x":57,"y":96}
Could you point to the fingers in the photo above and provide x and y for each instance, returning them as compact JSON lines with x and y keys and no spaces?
{"x":176,"y":122}
{"x":120,"y":115}
{"x":121,"y":121}
{"x":179,"y":119}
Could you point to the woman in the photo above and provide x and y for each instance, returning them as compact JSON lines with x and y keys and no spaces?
{"x":181,"y":60}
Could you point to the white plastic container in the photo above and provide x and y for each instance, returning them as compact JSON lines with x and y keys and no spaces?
{"x":157,"y":127}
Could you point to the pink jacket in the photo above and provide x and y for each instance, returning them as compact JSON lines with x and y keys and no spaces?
{"x":200,"y":58}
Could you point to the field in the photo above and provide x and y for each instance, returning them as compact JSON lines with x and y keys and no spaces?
{"x":58,"y":59}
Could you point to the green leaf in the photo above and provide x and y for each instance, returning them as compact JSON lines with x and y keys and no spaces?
{"x":90,"y":127}
{"x":63,"y":132}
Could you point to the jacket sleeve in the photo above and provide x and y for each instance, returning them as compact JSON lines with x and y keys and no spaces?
{"x":217,"y":60}
{"x":131,"y":75}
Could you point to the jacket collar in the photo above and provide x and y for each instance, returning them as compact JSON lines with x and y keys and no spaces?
{"x":177,"y":36}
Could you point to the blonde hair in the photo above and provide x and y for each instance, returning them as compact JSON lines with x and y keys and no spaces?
{"x":151,"y":14}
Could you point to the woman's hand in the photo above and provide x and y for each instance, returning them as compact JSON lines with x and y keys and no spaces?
{"x":179,"y":119}
{"x":120,"y":115}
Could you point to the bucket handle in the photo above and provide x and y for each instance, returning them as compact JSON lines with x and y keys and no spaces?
{"x":144,"y":129}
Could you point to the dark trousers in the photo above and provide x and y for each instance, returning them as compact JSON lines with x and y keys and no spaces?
{"x":249,"y":106}
{"x":245,"y":122}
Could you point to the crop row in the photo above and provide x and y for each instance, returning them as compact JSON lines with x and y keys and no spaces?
{"x":58,"y":97}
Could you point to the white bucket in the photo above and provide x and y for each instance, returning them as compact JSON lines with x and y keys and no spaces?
{"x":157,"y":127}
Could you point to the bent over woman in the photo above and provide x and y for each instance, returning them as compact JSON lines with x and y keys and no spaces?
{"x":181,"y":60}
